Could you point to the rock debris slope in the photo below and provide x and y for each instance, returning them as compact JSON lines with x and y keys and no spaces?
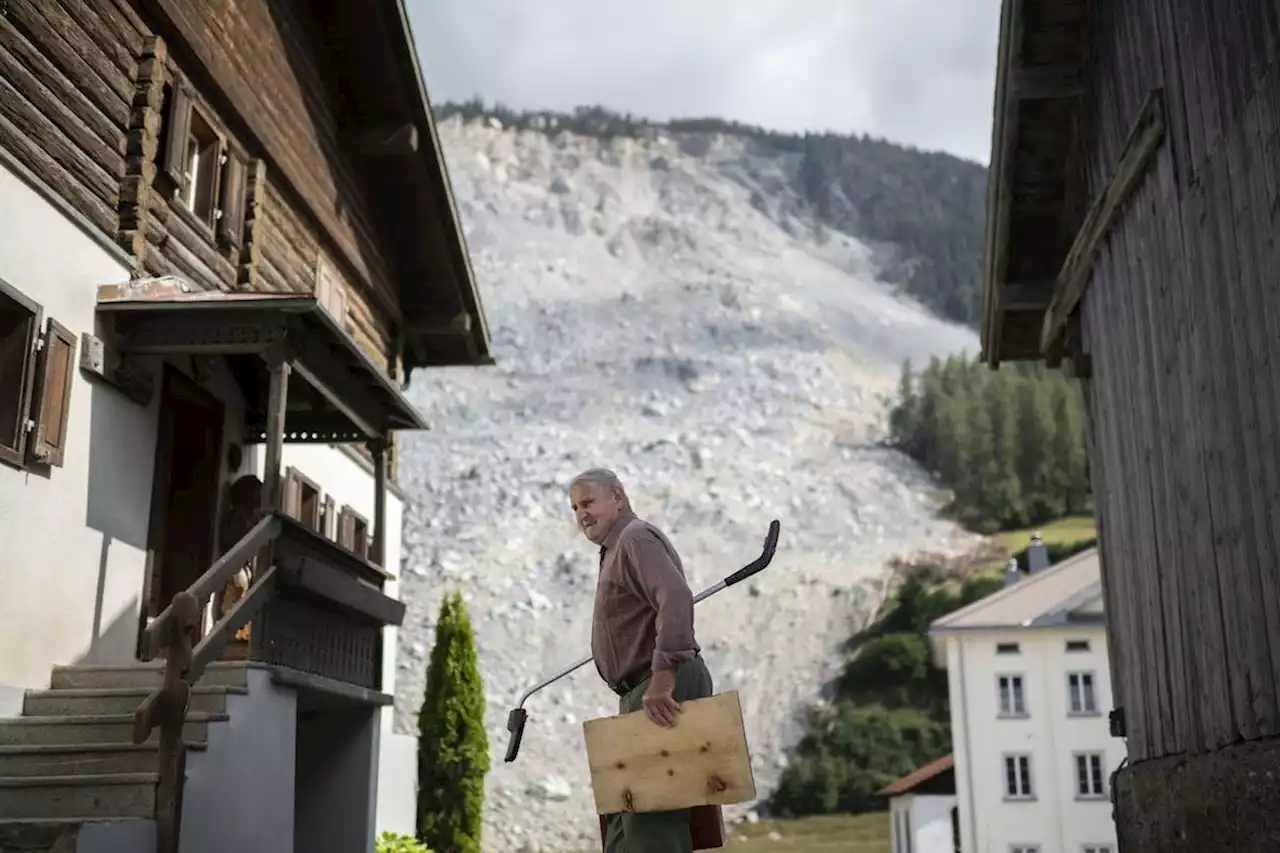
{"x":658,"y":306}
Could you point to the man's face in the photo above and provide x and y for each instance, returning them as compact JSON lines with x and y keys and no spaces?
{"x":595,"y":508}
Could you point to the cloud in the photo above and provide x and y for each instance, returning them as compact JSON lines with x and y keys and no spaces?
{"x":918,"y":72}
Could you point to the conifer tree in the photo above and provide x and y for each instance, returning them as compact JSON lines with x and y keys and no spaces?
{"x":453,"y":747}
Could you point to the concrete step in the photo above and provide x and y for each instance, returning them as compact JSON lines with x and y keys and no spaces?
{"x":94,"y":728}
{"x":228,"y":673}
{"x":88,"y":835}
{"x":73,"y":701}
{"x":108,"y":795}
{"x":58,"y":759}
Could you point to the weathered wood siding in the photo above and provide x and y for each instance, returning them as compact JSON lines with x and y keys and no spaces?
{"x":1181,"y":320}
{"x":67,"y":70}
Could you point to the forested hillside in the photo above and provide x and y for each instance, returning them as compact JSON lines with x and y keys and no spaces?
{"x":1009,"y":443}
{"x":923,"y":210}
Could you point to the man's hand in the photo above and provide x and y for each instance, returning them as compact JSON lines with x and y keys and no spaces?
{"x":659,"y":698}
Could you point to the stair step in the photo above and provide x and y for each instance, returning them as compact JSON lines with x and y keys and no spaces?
{"x":56,"y":759}
{"x":228,"y":673}
{"x":94,"y":728}
{"x":79,"y":701}
{"x":114,"y":795}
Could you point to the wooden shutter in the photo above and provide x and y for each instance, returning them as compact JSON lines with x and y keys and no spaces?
{"x":177,"y":129}
{"x":52,"y":405}
{"x":234,"y":185}
{"x":291,"y":493}
{"x":346,"y":528}
{"x":329,"y":520}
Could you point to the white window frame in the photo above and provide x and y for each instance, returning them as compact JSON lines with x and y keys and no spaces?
{"x":1027,"y":788}
{"x":1016,"y":694}
{"x":1078,"y":691}
{"x":1100,"y":776}
{"x":1024,"y":848}
{"x":1096,"y":848}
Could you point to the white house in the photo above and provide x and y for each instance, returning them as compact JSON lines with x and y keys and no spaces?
{"x":207,"y":279}
{"x":1030,"y":690}
{"x":922,"y":809}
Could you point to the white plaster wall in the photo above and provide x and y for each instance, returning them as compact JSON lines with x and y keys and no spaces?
{"x":71,"y":544}
{"x":1054,"y":819}
{"x":348,"y":482}
{"x":931,"y":823}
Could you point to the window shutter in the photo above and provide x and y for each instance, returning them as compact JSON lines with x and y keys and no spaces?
{"x":329,"y":520}
{"x":50,"y":409}
{"x":177,"y":129}
{"x":234,"y":185}
{"x":346,"y":528}
{"x":291,"y":494}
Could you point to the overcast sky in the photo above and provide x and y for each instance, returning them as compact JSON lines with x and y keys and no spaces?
{"x":918,"y":72}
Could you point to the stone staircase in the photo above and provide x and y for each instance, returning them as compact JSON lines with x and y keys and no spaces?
{"x":70,"y":761}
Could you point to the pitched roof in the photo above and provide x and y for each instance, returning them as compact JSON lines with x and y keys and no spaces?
{"x":917,"y":778}
{"x":1048,"y":597}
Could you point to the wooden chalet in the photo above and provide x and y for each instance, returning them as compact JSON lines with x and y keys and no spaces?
{"x":227,"y":240}
{"x":1131,"y":232}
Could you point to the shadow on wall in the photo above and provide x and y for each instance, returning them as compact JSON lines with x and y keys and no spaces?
{"x":119,"y":640}
{"x":121,"y":464}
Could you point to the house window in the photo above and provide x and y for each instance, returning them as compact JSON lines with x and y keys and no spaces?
{"x":209,"y":179}
{"x":1025,"y":848}
{"x":1077,"y":645}
{"x":1080,"y":693}
{"x":201,"y":170}
{"x":303,"y":499}
{"x":1017,"y":777}
{"x":1089,"y":779}
{"x":1012,"y":701}
{"x":353,"y":532}
{"x":37,"y":372}
{"x":1096,"y":848}
{"x":1007,"y":648}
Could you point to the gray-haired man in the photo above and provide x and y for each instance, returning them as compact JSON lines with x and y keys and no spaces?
{"x":642,"y":637}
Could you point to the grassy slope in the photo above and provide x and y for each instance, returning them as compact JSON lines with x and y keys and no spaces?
{"x":1071,"y":529}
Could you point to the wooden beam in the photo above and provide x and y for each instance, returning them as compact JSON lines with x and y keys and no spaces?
{"x":386,"y":141}
{"x":1140,"y":146}
{"x":1047,"y":82}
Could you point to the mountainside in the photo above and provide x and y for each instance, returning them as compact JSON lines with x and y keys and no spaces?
{"x":663,"y":305}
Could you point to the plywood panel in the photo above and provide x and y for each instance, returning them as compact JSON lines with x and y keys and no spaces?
{"x":639,"y":766}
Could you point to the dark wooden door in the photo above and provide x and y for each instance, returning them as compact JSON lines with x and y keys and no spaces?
{"x":185,"y":493}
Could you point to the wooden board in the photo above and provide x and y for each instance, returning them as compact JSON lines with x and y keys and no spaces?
{"x":639,"y":766}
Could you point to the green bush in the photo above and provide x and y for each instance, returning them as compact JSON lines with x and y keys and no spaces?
{"x":453,"y":748}
{"x":390,"y":842}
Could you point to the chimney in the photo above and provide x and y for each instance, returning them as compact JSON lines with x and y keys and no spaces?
{"x":1037,"y":555}
{"x":1012,"y":574}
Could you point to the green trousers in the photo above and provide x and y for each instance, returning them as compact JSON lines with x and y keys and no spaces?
{"x":657,"y":832}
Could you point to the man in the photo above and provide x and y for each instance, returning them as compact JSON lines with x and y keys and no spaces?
{"x":641,"y":637}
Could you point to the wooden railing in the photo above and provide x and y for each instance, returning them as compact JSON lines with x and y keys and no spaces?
{"x":318,"y":610}
{"x":174,"y":632}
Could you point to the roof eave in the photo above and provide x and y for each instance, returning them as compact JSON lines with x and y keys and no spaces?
{"x":446,"y":205}
{"x":1003,"y":132}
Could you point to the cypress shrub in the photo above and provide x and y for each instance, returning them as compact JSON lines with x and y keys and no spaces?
{"x":453,"y":748}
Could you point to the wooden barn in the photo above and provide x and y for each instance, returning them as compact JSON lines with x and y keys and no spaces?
{"x":1131,"y":221}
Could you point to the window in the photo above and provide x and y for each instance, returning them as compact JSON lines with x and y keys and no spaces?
{"x":1017,"y":777}
{"x":303,"y":499}
{"x":1077,"y":645}
{"x":1089,"y":779}
{"x":1012,"y":701}
{"x":353,"y":532}
{"x":37,"y":372}
{"x":1007,"y":648}
{"x":1096,"y":848}
{"x":209,"y":179}
{"x":1080,"y":693}
{"x":1025,"y":848}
